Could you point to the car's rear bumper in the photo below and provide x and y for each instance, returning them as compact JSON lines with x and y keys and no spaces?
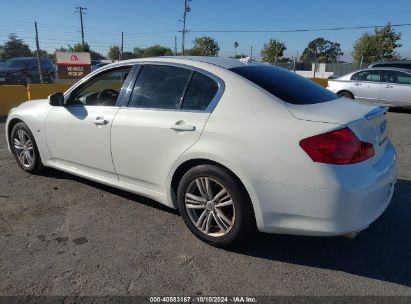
{"x":295,"y":209}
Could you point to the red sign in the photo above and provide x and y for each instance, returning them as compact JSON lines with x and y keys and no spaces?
{"x":73,"y":65}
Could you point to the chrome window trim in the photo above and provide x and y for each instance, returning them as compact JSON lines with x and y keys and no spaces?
{"x":211,"y":106}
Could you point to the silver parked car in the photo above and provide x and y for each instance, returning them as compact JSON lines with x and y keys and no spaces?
{"x":388,"y":86}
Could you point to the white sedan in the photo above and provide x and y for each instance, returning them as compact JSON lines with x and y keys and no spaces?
{"x":381,"y":85}
{"x":233,"y":144}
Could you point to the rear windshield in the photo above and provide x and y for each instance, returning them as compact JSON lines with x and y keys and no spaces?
{"x":285,"y":85}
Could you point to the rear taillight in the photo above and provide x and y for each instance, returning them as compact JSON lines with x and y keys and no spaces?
{"x":340,"y":147}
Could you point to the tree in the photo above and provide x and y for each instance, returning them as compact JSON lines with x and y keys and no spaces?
{"x":42,"y":54}
{"x":235,"y":48}
{"x":205,"y":46}
{"x":272,"y":51}
{"x":138,"y":52}
{"x":96,"y":55}
{"x":380,"y":45}
{"x":113,"y":53}
{"x":128,"y":55}
{"x":14,"y":47}
{"x":322,"y":51}
{"x":191,"y":52}
{"x":157,"y":50}
{"x":61,"y":49}
{"x":78,"y":47}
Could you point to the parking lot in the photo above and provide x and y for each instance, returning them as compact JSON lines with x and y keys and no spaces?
{"x":64,"y":235}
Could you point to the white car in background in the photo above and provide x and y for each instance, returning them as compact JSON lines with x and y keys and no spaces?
{"x":232,"y":144}
{"x":387,"y":86}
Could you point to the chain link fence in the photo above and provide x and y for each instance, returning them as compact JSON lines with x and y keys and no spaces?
{"x":24,"y":70}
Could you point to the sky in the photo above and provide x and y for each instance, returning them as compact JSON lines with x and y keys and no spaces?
{"x":149,"y":22}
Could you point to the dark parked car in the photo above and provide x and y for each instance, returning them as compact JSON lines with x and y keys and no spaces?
{"x":404,"y":64}
{"x":24,"y":70}
{"x":98,"y":65}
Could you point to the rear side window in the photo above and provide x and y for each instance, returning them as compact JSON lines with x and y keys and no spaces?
{"x":396,"y":77}
{"x":200,"y":92}
{"x":159,"y":87}
{"x":285,"y":85}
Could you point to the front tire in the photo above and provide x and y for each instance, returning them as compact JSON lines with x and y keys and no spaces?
{"x":24,"y":148}
{"x":214,"y":206}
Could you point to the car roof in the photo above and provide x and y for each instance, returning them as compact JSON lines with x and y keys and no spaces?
{"x":28,"y":58}
{"x":385,"y":69}
{"x":397,"y":62}
{"x":227,"y":63}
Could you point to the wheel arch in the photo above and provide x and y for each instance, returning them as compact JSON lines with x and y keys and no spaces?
{"x":190,"y":163}
{"x":10,"y":126}
{"x":345,"y":90}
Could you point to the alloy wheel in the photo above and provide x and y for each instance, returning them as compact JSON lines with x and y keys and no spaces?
{"x":209,"y":206}
{"x":23,"y":147}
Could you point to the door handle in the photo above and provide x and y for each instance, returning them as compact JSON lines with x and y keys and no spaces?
{"x":357,"y":84}
{"x":183,"y":128}
{"x":388,"y":86}
{"x":100,"y":121}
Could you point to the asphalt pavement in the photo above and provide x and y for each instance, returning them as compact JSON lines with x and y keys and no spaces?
{"x":64,"y":235}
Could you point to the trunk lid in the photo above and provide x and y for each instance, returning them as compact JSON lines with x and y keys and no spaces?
{"x":367,"y":121}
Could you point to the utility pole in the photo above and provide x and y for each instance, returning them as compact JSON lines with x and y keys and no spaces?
{"x":38,"y":53}
{"x":187,"y":9}
{"x":295,"y":62}
{"x":81,"y":10}
{"x":122,"y":45}
{"x":175,"y":45}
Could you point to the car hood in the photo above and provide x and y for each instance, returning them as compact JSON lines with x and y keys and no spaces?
{"x":338,"y":111}
{"x":10,"y":70}
{"x":33,"y":104}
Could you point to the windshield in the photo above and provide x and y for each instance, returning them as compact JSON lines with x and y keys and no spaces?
{"x":285,"y":85}
{"x":16,"y":63}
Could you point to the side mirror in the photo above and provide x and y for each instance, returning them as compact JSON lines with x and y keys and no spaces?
{"x":56,"y":99}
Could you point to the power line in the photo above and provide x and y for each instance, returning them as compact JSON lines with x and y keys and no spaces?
{"x":299,"y":30}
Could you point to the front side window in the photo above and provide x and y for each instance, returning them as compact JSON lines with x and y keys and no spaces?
{"x":102,"y":90}
{"x":396,"y":77}
{"x":200,"y":92}
{"x":367,"y":76}
{"x":159,"y":87}
{"x":285,"y":85}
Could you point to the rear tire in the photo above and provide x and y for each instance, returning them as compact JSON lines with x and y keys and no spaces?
{"x":214,"y":206}
{"x":24,"y":148}
{"x":346,"y":94}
